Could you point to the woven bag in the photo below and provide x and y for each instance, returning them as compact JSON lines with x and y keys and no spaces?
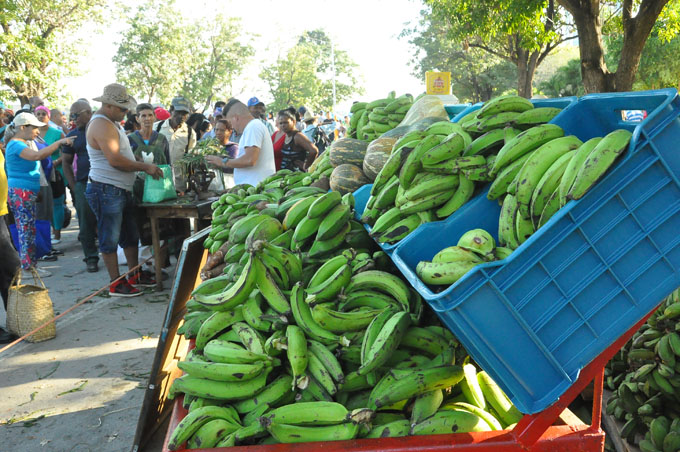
{"x":28,"y":307}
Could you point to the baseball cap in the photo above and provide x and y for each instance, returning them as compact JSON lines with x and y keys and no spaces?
{"x":161,"y":113}
{"x":27,"y":119}
{"x":181,"y":104}
{"x":254,"y":101}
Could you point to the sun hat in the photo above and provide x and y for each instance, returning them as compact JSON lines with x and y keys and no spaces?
{"x":309,"y":116}
{"x":116,"y":94}
{"x":254,"y":101}
{"x":27,"y":119}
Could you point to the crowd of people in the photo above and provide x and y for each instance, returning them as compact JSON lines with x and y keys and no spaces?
{"x":101,"y":156}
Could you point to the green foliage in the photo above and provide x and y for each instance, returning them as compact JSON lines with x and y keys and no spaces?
{"x":476,"y":76}
{"x":39,"y":44}
{"x":522,"y":32}
{"x":148,"y":60}
{"x":217,"y":57}
{"x":489,"y":19}
{"x":659,"y":63}
{"x":303,"y":76}
{"x":565,"y":82}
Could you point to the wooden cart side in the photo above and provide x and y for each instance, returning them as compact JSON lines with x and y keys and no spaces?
{"x":171,"y":346}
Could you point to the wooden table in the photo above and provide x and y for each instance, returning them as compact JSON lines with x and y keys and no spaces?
{"x":183,"y":207}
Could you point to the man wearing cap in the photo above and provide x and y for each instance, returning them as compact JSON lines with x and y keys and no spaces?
{"x":181,"y":137}
{"x":80,"y":114}
{"x":257,"y":109}
{"x":109,"y":192}
{"x":255,"y":159}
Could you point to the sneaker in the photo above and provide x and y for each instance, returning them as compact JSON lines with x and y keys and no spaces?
{"x":56,"y":252}
{"x":142,"y":278}
{"x":56,"y":241}
{"x":122,"y":288}
{"x":92,"y":267}
{"x":48,"y":258}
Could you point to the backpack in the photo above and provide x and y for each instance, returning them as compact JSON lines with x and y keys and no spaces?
{"x":320,"y":139}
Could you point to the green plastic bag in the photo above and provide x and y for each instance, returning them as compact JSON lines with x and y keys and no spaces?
{"x":161,"y":189}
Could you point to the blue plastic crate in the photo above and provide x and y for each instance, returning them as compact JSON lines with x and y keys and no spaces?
{"x":467,"y":110}
{"x":533,"y":320}
{"x":453,"y":110}
{"x":360,"y":199}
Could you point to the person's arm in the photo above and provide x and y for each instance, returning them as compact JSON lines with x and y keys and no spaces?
{"x":29,"y":154}
{"x":67,"y":160}
{"x":105,"y":137}
{"x":306,"y":144}
{"x":247,"y":160}
{"x":58,"y":161}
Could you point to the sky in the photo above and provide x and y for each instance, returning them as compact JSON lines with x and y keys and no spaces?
{"x":368,"y":30}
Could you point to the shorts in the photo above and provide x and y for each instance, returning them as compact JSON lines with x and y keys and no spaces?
{"x":114,"y":209}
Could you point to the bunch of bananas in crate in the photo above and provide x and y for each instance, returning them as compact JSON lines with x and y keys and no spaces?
{"x":451,"y":263}
{"x":645,"y":378}
{"x":297,"y":342}
{"x":539,"y":170}
{"x":432,"y":173}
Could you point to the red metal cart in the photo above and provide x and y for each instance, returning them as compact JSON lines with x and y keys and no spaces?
{"x":534,"y":433}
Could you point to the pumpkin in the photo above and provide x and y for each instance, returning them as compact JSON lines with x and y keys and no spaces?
{"x":376,"y":155}
{"x":347,"y":178}
{"x":347,"y":150}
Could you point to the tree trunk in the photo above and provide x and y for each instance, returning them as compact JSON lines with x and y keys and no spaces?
{"x":596,"y":77}
{"x":526,"y":68}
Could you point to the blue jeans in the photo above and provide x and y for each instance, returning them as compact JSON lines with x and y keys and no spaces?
{"x":114,"y":209}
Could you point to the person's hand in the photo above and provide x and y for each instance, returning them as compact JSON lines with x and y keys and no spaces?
{"x":153,"y":171}
{"x":214,"y":160}
{"x":68,"y":141}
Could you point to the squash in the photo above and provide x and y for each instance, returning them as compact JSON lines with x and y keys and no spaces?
{"x":347,"y":178}
{"x":347,"y":150}
{"x":376,"y":155}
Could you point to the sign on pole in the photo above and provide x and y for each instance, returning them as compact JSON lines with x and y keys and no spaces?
{"x":438,"y":82}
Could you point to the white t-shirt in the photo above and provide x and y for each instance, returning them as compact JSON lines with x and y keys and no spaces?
{"x":256,"y":134}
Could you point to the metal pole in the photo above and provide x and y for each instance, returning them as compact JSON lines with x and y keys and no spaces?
{"x":333,"y":69}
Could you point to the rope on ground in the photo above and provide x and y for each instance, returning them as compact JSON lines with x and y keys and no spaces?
{"x":81,"y":302}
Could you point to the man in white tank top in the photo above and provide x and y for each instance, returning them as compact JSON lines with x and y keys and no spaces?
{"x":109,"y":190}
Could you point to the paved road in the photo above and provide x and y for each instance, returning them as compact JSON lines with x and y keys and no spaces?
{"x":81,"y":391}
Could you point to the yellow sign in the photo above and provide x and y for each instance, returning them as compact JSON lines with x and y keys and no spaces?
{"x":438,"y":82}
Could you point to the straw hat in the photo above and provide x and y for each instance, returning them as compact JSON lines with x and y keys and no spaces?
{"x":116,"y":94}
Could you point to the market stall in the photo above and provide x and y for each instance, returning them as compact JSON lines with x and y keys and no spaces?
{"x":541,"y":264}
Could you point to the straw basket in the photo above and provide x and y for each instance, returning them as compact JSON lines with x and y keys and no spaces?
{"x":28,"y":307}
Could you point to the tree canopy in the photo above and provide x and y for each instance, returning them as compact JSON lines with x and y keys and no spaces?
{"x":161,"y":55}
{"x":476,"y":76}
{"x":523,"y":32}
{"x":303,"y":75}
{"x":217,"y":58}
{"x":34,"y":52}
{"x":659,"y":64}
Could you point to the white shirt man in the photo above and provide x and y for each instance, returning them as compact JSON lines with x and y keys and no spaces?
{"x":255,"y":159}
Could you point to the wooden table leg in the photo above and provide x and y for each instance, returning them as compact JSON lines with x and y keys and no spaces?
{"x":157,"y":258}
